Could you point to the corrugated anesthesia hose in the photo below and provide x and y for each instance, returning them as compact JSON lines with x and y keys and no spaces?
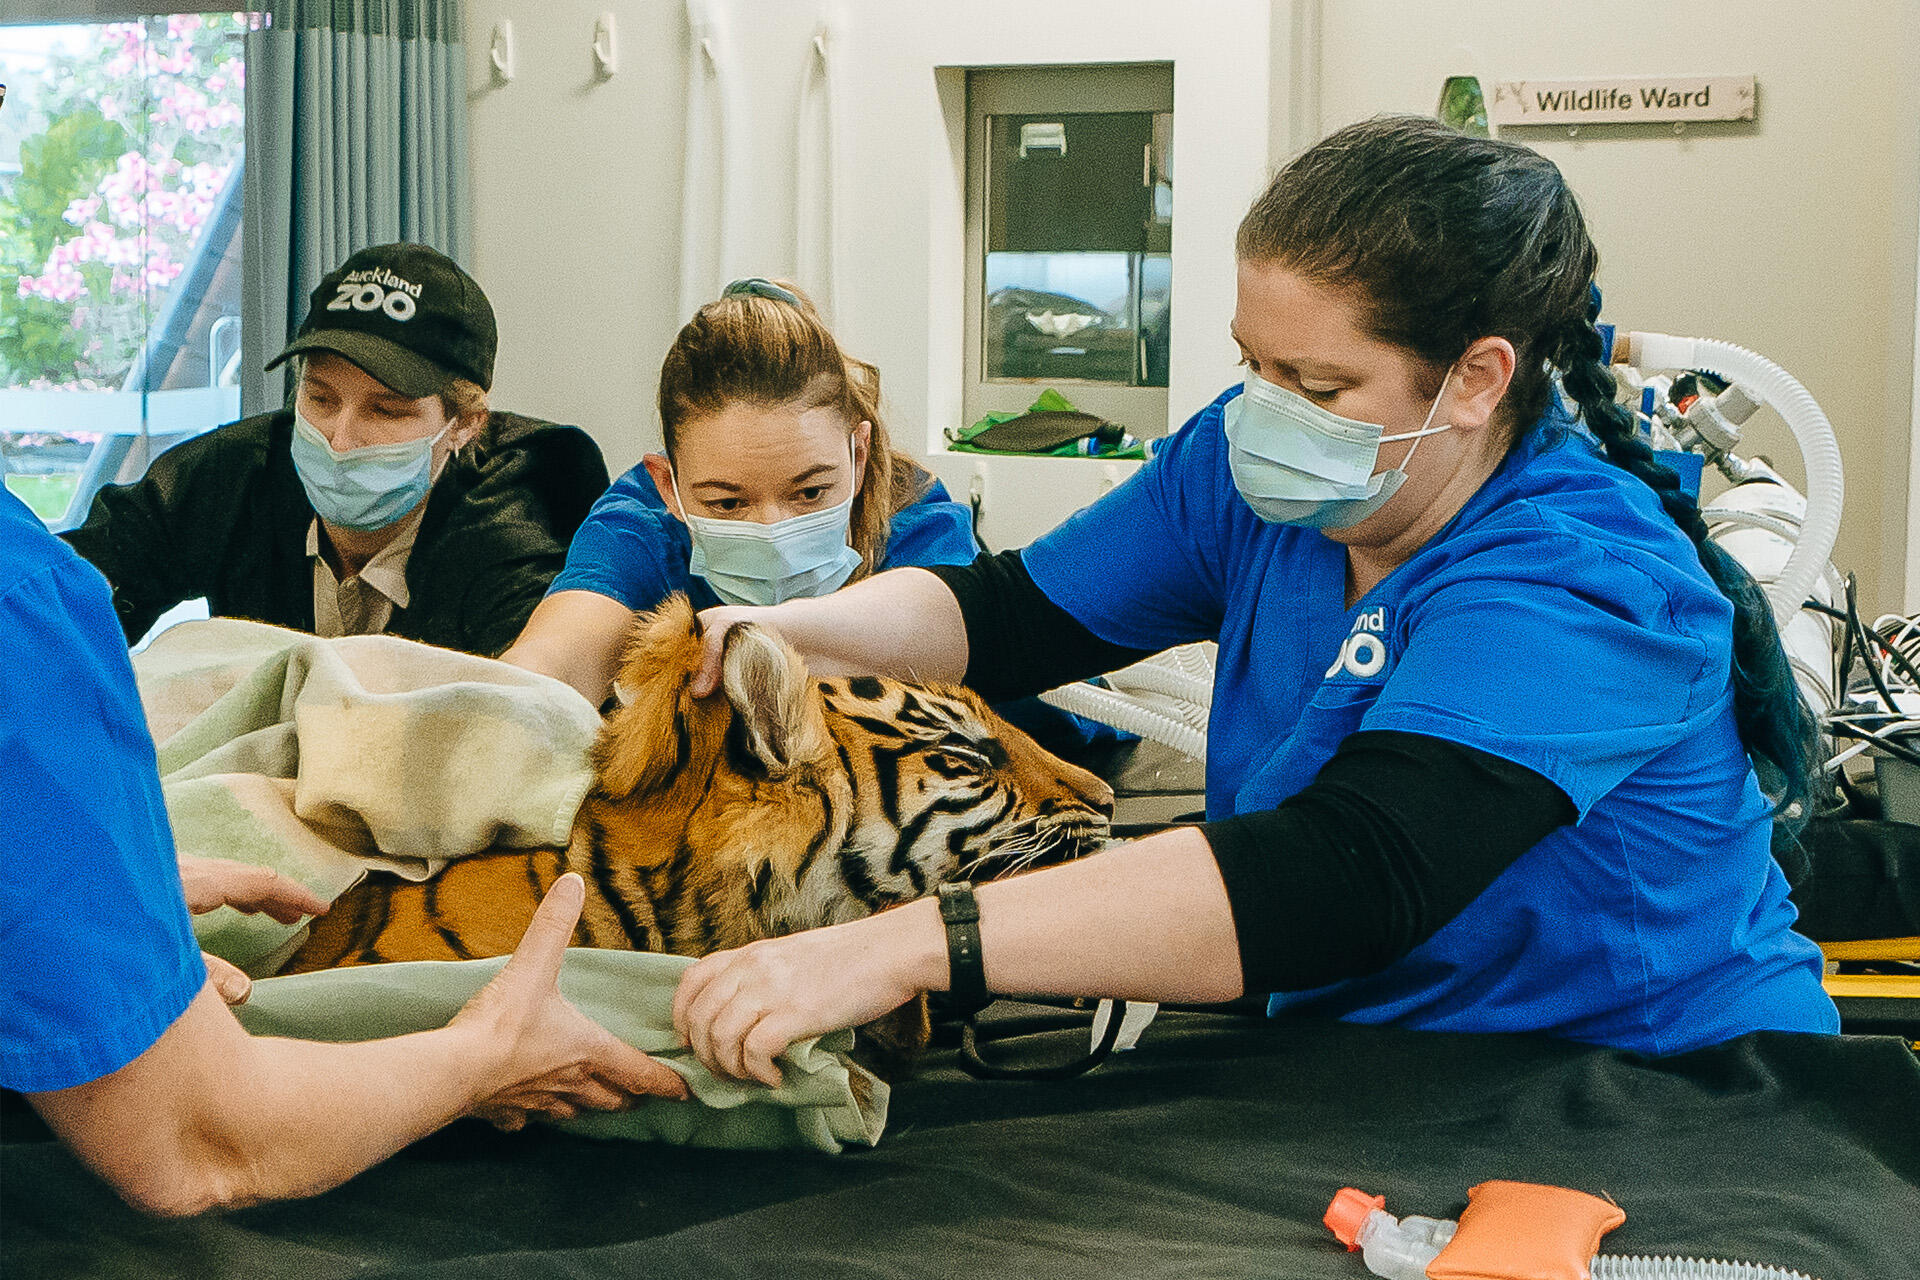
{"x":1195,"y":692}
{"x":1123,"y":713}
{"x":1616,"y":1266}
{"x":1821,"y":452}
{"x":1403,"y":1249}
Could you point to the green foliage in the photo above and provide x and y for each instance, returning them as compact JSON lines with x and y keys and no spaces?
{"x":37,"y":337}
{"x":48,"y":495}
{"x":57,"y":168}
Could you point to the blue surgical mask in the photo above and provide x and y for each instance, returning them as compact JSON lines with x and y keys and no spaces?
{"x":748,"y":563}
{"x":1297,"y":463}
{"x":367,"y":488}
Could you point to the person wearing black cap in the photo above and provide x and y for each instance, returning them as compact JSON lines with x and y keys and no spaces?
{"x":387,"y":497}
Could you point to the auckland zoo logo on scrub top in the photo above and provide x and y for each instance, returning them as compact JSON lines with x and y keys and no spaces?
{"x":1363,"y":653}
{"x":377,"y":290}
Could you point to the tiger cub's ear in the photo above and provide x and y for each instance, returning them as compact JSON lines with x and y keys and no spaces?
{"x":776,"y":713}
{"x":645,"y":740}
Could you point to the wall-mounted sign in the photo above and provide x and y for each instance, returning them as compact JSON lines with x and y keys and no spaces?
{"x":1626,"y":100}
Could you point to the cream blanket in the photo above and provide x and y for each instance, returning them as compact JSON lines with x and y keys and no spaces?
{"x":326,"y":758}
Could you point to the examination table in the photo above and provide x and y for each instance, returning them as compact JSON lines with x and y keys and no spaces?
{"x":1209,"y":1151}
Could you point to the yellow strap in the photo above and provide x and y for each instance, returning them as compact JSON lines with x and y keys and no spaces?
{"x":1874,"y":949}
{"x":1873,"y":984}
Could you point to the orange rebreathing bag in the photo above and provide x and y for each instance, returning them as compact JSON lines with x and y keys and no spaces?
{"x":1524,"y":1231}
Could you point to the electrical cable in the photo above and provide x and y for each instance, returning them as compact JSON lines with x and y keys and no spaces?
{"x":1858,"y":632}
{"x":1870,"y":738}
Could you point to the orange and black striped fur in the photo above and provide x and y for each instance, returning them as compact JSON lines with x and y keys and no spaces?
{"x":785,"y":804}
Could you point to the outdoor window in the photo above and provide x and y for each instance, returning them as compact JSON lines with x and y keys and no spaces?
{"x":120,"y":214}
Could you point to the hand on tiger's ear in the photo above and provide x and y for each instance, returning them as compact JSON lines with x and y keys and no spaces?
{"x":715,"y":625}
{"x":767,"y":685}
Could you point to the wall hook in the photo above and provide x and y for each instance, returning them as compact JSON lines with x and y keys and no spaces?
{"x":500,"y":51}
{"x":606,"y":53}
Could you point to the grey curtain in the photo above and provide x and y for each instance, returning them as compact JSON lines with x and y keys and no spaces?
{"x":356,"y":135}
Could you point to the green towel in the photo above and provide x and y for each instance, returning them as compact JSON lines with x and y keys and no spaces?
{"x":824,"y":1101}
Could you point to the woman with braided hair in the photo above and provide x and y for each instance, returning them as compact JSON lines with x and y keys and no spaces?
{"x":1499,"y":737}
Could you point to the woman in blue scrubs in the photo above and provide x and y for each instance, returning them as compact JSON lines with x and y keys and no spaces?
{"x":1498,"y":735}
{"x":116,"y":1028}
{"x":778,"y":481}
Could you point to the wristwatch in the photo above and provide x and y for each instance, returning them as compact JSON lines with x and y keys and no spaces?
{"x":967,"y":992}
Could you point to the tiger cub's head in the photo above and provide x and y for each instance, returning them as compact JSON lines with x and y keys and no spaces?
{"x":785,"y":802}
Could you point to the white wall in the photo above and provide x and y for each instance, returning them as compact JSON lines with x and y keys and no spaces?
{"x":1794,"y":235}
{"x":577,"y":183}
{"x":910,"y":232}
{"x":576,"y":191}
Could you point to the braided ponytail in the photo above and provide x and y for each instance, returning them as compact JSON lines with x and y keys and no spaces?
{"x":1776,"y":726}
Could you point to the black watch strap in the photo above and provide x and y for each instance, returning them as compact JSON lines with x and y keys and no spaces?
{"x":967,"y":992}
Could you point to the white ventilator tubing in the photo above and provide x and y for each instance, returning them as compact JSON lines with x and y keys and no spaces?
{"x":1758,"y":522}
{"x":1165,"y":698}
{"x":1818,"y":448}
{"x":1618,"y":1266}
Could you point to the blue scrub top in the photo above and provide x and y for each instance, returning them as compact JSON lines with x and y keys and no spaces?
{"x":1560,"y":621}
{"x":632,"y":549}
{"x":99,"y":956}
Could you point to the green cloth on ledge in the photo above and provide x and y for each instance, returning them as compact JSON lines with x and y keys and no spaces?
{"x":1050,"y":401}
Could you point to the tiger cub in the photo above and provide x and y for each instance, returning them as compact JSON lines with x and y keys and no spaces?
{"x":786,"y":804}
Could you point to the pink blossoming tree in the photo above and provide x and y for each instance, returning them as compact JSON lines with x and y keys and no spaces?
{"x":141,"y":132}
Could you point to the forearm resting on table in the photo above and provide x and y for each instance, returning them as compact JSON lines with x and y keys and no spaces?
{"x":903,"y":623}
{"x":1148,"y":920}
{"x":211,"y":1117}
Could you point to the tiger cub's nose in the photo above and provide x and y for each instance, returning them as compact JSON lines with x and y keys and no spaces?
{"x":1089,"y":792}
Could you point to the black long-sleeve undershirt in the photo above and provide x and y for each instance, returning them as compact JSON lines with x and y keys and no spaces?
{"x":1019,"y":642}
{"x":1393,"y":838}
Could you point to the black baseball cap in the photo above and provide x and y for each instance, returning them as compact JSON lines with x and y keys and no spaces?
{"x":407,"y":315}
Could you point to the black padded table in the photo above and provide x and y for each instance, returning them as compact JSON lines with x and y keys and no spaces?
{"x":1209,"y":1151}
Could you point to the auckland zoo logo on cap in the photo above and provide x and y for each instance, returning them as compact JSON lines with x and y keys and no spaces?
{"x":1363,"y":653}
{"x":377,"y":290}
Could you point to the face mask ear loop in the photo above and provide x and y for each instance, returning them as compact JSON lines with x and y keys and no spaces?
{"x":673,"y":482}
{"x":446,"y":459}
{"x":1426,"y":427}
{"x":1411,"y":450}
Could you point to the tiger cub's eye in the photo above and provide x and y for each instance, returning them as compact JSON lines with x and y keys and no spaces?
{"x":954,"y":761}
